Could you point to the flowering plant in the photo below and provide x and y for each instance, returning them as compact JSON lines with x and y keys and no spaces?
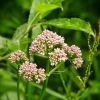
{"x":38,"y":53}
{"x":52,"y":46}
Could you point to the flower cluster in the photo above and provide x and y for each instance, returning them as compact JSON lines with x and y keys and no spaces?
{"x":76,"y":52}
{"x":17,"y":56}
{"x":77,"y":62}
{"x":29,"y":70}
{"x":46,"y":40}
{"x":53,"y":46}
{"x":47,"y":44}
{"x":57,"y":56}
{"x":40,"y":76}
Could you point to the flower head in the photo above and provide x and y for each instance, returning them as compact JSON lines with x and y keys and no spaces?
{"x":17,"y":56}
{"x":40,"y":76}
{"x":75,"y":53}
{"x":46,"y":40}
{"x":28,"y":70}
{"x":57,"y":56}
{"x":77,"y":62}
{"x":74,"y":50}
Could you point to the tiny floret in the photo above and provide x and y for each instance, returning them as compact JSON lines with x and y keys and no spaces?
{"x":65,"y":47}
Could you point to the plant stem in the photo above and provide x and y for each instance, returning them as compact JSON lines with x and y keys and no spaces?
{"x":45,"y":82}
{"x":63,"y":82}
{"x":28,"y":88}
{"x":18,"y":85}
{"x":55,"y":68}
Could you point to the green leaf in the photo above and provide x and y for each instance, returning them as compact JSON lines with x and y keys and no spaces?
{"x":3,"y":42}
{"x":43,"y":7}
{"x":35,"y":16}
{"x":36,"y":31}
{"x":73,"y":23}
{"x":18,"y":44}
{"x":20,"y":31}
{"x":3,"y":46}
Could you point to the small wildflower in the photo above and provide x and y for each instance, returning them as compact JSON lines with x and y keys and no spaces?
{"x":17,"y":56}
{"x":57,"y":56}
{"x":77,"y":62}
{"x":28,"y":70}
{"x":40,"y":76}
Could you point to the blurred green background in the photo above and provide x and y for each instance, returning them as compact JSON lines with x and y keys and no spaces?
{"x":13,"y":13}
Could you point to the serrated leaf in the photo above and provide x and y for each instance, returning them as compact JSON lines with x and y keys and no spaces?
{"x":43,"y":7}
{"x":73,"y":23}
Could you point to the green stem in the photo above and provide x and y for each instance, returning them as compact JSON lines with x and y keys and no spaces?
{"x":5,"y":57}
{"x":28,"y":91}
{"x":63,"y":82}
{"x":55,"y":68}
{"x":45,"y":82}
{"x":28,"y":88}
{"x":18,"y":85}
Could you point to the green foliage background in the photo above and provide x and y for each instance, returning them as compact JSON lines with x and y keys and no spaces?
{"x":14,"y":13}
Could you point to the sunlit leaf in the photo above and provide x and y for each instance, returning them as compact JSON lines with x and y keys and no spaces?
{"x":73,"y":23}
{"x":35,"y":16}
{"x":43,"y":7}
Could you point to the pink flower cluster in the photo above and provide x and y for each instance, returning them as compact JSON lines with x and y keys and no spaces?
{"x":17,"y":56}
{"x":53,"y":46}
{"x":40,"y":76}
{"x":47,"y":44}
{"x":46,"y":40}
{"x":75,"y":52}
{"x":29,"y":70}
{"x":57,"y":56}
{"x":77,"y":62}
